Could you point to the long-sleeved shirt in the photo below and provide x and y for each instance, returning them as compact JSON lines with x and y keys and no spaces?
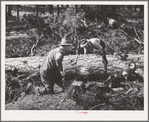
{"x":94,"y":43}
{"x":53,"y":61}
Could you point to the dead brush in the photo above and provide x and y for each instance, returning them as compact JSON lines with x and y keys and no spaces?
{"x":99,"y":96}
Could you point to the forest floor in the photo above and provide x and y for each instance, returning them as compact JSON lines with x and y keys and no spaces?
{"x":60,"y":100}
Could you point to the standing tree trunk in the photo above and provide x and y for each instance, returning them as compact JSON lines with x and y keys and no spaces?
{"x":58,"y":10}
{"x":83,"y":7}
{"x":113,"y":8}
{"x":50,"y":9}
{"x":76,"y":8}
{"x":67,"y":6}
{"x":9,"y":10}
{"x":17,"y":13}
{"x":37,"y":9}
{"x":6,"y":14}
{"x":141,"y":10}
{"x":96,"y":14}
{"x":135,"y":8}
{"x":129,"y":7}
{"x":104,"y":15}
{"x":75,"y":37}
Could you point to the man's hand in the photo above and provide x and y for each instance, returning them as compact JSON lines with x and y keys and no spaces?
{"x":62,"y":73}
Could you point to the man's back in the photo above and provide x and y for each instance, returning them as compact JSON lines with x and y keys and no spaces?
{"x":49,"y":62}
{"x":96,"y":43}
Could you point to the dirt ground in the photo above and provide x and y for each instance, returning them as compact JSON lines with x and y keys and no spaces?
{"x":36,"y":101}
{"x":58,"y":101}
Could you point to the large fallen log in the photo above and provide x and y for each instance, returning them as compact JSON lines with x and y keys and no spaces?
{"x":91,"y":62}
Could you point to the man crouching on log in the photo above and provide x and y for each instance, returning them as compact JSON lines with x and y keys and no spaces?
{"x":51,"y":70}
{"x":95,"y":43}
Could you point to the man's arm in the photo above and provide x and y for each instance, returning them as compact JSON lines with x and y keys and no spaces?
{"x":59,"y":59}
{"x":59,"y":65}
{"x":85,"y":50}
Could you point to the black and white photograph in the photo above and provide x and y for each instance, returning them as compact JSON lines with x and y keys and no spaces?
{"x":87,"y":59}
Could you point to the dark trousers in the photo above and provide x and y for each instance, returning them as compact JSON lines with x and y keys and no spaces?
{"x":50,"y":78}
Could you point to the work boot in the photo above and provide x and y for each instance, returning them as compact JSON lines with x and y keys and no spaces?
{"x":49,"y":91}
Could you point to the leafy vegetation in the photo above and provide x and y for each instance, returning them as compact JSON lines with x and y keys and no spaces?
{"x":85,"y":23}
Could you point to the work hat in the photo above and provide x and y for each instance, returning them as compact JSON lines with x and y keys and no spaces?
{"x":65,"y":41}
{"x":84,"y":42}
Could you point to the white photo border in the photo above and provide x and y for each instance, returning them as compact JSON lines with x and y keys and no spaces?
{"x":71,"y":115}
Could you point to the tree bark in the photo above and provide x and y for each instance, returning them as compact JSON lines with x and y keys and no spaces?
{"x":76,"y":8}
{"x":17,"y":13}
{"x":92,"y":63}
{"x":113,"y":8}
{"x":58,"y":10}
{"x":141,"y":10}
{"x":84,"y":7}
{"x":67,"y":6}
{"x":9,"y":11}
{"x":129,"y":7}
{"x":135,"y":8}
{"x":104,"y":15}
{"x":37,"y":9}
{"x":50,"y":9}
{"x":6,"y":14}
